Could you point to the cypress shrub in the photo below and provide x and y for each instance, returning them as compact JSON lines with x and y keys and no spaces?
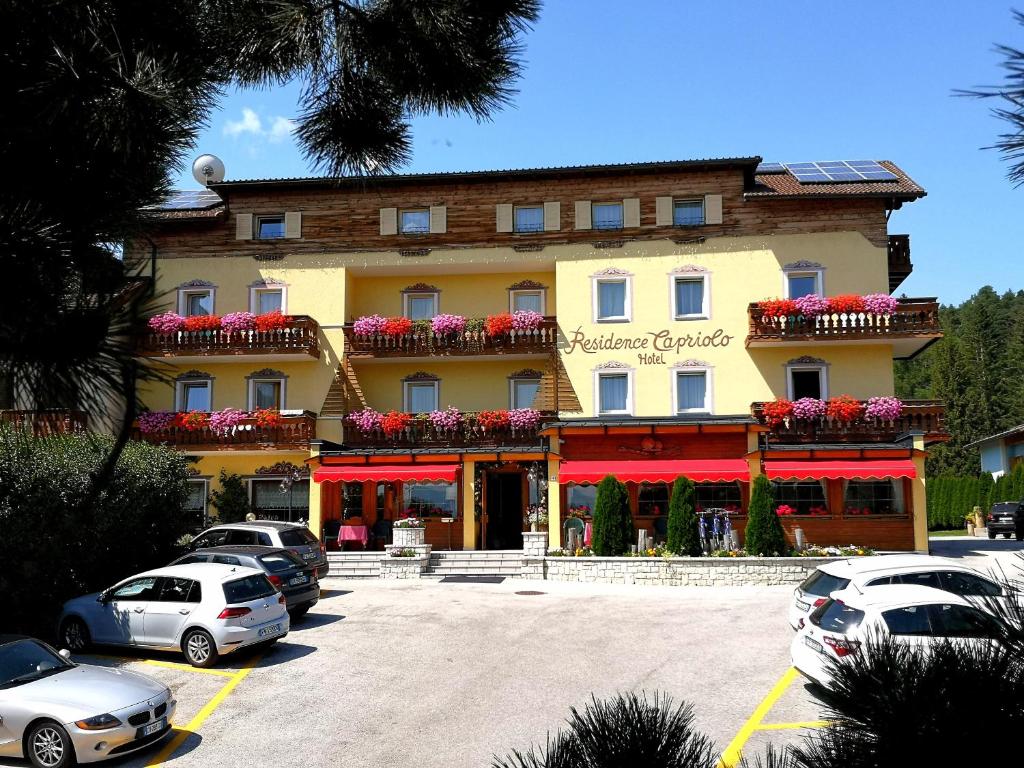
{"x":1017,"y":483}
{"x":985,"y":484}
{"x":683,"y":535}
{"x":613,"y":525}
{"x":764,"y":534}
{"x":232,"y":500}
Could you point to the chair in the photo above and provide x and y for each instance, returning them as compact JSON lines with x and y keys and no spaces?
{"x":573,"y":523}
{"x":660,"y":528}
{"x":381,"y":532}
{"x":330,"y":537}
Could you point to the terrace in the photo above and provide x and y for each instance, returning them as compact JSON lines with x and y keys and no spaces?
{"x":298,"y":337}
{"x":476,"y":431}
{"x":423,"y":342}
{"x":927,"y":416}
{"x":284,"y":432}
{"x":43,"y":423}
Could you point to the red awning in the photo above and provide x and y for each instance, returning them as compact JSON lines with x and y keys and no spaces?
{"x":356,"y":473}
{"x":661,"y":471}
{"x":851,"y":469}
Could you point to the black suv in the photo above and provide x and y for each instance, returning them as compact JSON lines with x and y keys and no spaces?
{"x":1006,"y":517}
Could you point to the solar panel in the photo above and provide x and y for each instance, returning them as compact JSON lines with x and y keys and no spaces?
{"x":189,"y":199}
{"x":771,"y":168}
{"x":840,"y":171}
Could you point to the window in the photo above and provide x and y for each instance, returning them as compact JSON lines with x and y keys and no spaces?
{"x":821,"y":584}
{"x":192,"y":303}
{"x":690,"y":296}
{"x":688,"y":213}
{"x":270,"y":501}
{"x":136,"y":589}
{"x":807,"y":497}
{"x":962,"y":621}
{"x":195,"y":504}
{"x":248,"y":589}
{"x":692,"y":392}
{"x":298,"y":537}
{"x":430,"y":499}
{"x":194,"y":395}
{"x":912,"y":620}
{"x":214,"y":538}
{"x":523,"y":392}
{"x":920,"y":579}
{"x":531,"y":301}
{"x":414,"y":222}
{"x":961,"y":583}
{"x":175,"y":590}
{"x":581,"y":498}
{"x":266,"y":393}
{"x":226,"y":560}
{"x":269,"y":227}
{"x":419,"y":306}
{"x":725,"y":496}
{"x":802,"y":284}
{"x":351,"y":500}
{"x":613,"y":394}
{"x":652,"y":499}
{"x":607,"y":215}
{"x":420,"y":396}
{"x":611,"y":300}
{"x":276,"y":562}
{"x":833,"y":616}
{"x":267,"y":300}
{"x":874,"y":497}
{"x":807,"y":381}
{"x":529,"y":218}
{"x":242,"y":538}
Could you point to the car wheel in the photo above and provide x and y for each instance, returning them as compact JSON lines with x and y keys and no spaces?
{"x":991,"y":534}
{"x":49,"y":746}
{"x":199,"y":648}
{"x":298,"y":614}
{"x":74,"y":635}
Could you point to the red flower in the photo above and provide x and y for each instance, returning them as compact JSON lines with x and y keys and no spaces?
{"x":396,"y":326}
{"x":846,"y":303}
{"x":496,"y":325}
{"x":192,"y":421}
{"x":271,"y":321}
{"x":202,"y":323}
{"x":844,"y":408}
{"x":777,"y":411}
{"x":267,"y":417}
{"x":783,"y":510}
{"x":394,"y":423}
{"x":492,"y":419}
{"x":773,"y":308}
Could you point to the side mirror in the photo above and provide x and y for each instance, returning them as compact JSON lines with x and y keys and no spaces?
{"x":64,"y":653}
{"x":103,"y":597}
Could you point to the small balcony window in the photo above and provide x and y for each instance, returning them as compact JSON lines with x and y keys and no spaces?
{"x":532,"y":301}
{"x":414,"y":221}
{"x":420,"y":306}
{"x":803,"y":284}
{"x":269,"y":227}
{"x":688,"y":213}
{"x":529,"y":218}
{"x":420,"y":396}
{"x":268,"y":300}
{"x":524,"y":392}
{"x":607,"y":215}
{"x":267,"y":393}
{"x":194,"y":395}
{"x":196,"y":303}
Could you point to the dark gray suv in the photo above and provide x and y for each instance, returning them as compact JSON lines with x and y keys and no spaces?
{"x":1006,"y":517}
{"x":268,"y":533}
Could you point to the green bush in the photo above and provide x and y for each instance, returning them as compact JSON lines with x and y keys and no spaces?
{"x":764,"y":534}
{"x":232,"y":500}
{"x":54,"y":548}
{"x":683,"y":535}
{"x":613,"y":525}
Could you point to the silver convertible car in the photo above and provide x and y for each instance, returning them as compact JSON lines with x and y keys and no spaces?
{"x":57,"y":713}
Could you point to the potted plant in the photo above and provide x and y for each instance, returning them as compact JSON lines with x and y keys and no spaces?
{"x":969,"y":519}
{"x":409,"y":531}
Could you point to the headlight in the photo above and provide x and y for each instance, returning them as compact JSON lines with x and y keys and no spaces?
{"x":98,"y":723}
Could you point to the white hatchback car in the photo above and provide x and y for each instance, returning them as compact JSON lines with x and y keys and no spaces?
{"x":203,"y":610}
{"x":916,"y":570}
{"x":915,"y":616}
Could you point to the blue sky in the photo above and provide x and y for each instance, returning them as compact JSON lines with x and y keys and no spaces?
{"x":787,"y":80}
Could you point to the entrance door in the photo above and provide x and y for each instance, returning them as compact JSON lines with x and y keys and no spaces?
{"x":504,"y":510}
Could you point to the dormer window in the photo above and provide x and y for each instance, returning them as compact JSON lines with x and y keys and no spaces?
{"x":414,"y":221}
{"x":607,"y":215}
{"x":270,"y":227}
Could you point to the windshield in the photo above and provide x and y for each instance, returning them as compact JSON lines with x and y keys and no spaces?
{"x":823,"y":584}
{"x":298,"y":537}
{"x":26,"y":660}
{"x":835,"y":616}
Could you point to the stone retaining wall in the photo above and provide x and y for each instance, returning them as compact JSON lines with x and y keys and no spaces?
{"x":676,"y":571}
{"x":402,"y":567}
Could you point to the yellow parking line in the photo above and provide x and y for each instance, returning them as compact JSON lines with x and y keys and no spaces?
{"x":188,"y":668}
{"x":210,"y":707}
{"x":731,"y":756}
{"x":786,"y":726}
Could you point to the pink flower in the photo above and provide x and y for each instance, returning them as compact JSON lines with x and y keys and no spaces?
{"x":883,"y":408}
{"x":366,"y":420}
{"x":168,"y":322}
{"x":369,"y":325}
{"x":445,"y":324}
{"x":448,"y":419}
{"x":154,"y":421}
{"x":223,"y":422}
{"x":238,"y":321}
{"x":526,"y":320}
{"x":809,"y":408}
{"x":880,"y":304}
{"x":524,"y":418}
{"x":812,"y":305}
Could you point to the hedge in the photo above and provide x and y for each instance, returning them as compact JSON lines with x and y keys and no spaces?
{"x":951,"y":498}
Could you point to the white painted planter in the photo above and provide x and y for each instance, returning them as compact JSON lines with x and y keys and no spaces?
{"x":408,"y":537}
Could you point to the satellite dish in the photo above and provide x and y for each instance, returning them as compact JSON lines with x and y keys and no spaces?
{"x":208,"y":169}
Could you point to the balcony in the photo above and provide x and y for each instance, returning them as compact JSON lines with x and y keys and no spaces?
{"x":927,"y":416}
{"x":300,"y":337}
{"x":899,"y":260}
{"x":44,"y":423}
{"x":293,"y":433}
{"x":912,"y":327}
{"x":425,"y":343}
{"x":422,"y":434}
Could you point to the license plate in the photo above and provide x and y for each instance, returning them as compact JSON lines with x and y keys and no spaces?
{"x":1005,"y":519}
{"x":154,"y":727}
{"x":298,"y":580}
{"x":810,"y":642}
{"x":802,"y":605}
{"x":273,"y":629}
{"x":309,"y":556}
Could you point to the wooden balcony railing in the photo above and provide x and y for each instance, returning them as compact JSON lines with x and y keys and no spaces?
{"x":299,"y":337}
{"x":423,"y":434}
{"x":427,"y":344}
{"x":912,"y":318}
{"x":293,"y":433}
{"x":900,"y":265}
{"x":42,"y":423}
{"x":927,"y":416}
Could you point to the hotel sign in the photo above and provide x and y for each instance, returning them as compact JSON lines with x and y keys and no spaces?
{"x":650,"y":346}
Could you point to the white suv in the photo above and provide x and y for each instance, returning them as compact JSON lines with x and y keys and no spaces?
{"x":915,"y":616}
{"x":203,"y":610}
{"x":915,"y":570}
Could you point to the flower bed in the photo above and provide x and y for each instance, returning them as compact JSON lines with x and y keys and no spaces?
{"x":233,"y":322}
{"x":812,"y":305}
{"x":221,"y":423}
{"x":840,"y":410}
{"x":450,"y":421}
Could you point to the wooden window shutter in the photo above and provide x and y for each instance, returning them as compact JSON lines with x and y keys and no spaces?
{"x":503,"y":214}
{"x":631,"y":212}
{"x":712,"y":209}
{"x":293,"y":224}
{"x":583,"y":215}
{"x":663,"y":211}
{"x":389,"y":221}
{"x":438,"y":219}
{"x":552,"y":216}
{"x":243,"y":226}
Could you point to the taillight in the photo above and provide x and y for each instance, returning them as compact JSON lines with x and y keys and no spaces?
{"x":819,"y":602}
{"x":233,"y":613}
{"x":800,"y":624}
{"x":989,"y":517}
{"x":275,"y":580}
{"x":842,"y":647}
{"x":280,"y":598}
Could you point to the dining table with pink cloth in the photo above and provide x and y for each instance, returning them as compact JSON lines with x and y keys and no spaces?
{"x":353,"y":533}
{"x":588,"y":534}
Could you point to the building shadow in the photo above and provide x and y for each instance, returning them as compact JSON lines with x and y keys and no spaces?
{"x":315,"y":620}
{"x":970,"y":547}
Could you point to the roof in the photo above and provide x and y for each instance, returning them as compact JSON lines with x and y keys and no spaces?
{"x":998,"y":435}
{"x":8,"y":639}
{"x":242,"y":549}
{"x":896,"y":594}
{"x":856,"y":566}
{"x":278,"y":525}
{"x":785,"y":185}
{"x":209,"y":570}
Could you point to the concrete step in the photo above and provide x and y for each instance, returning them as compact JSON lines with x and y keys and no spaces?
{"x":494,"y":571}
{"x":355,"y":574}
